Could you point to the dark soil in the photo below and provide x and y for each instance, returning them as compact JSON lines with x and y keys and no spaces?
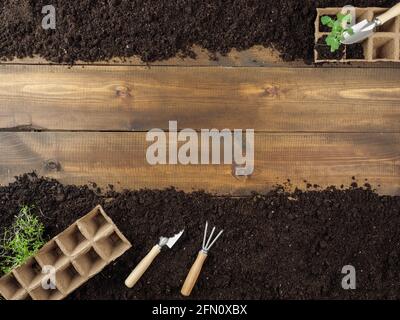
{"x":355,"y":51}
{"x":324,"y":51}
{"x":155,"y":30}
{"x":275,"y":246}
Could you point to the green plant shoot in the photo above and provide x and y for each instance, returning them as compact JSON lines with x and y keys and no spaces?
{"x":335,"y":37}
{"x":21,"y":241}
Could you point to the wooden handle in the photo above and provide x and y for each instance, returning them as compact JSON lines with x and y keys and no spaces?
{"x":193,"y":274}
{"x":390,"y":14}
{"x":141,"y":268}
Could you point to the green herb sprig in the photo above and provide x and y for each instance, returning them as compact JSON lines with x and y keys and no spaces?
{"x":21,"y":241}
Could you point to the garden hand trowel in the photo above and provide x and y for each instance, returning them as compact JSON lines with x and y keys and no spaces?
{"x":141,"y":268}
{"x":365,"y":29}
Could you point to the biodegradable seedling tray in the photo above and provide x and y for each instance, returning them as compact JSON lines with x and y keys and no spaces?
{"x":77,"y":254}
{"x":383,"y":45}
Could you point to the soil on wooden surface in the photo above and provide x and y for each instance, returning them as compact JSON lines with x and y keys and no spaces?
{"x":155,"y":30}
{"x":275,"y":246}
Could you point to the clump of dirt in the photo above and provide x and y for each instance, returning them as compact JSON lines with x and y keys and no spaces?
{"x":155,"y":30}
{"x":275,"y":246}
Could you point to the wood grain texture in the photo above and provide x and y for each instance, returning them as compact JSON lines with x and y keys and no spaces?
{"x":123,"y":98}
{"x":119,"y":159}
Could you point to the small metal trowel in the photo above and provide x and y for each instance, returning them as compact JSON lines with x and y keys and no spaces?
{"x":141,"y":268}
{"x":365,"y":29}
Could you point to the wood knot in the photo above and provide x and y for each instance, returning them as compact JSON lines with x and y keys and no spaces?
{"x":122,"y":91}
{"x":52,"y":165}
{"x":271,"y":91}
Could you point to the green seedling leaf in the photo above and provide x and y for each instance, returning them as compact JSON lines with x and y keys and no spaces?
{"x":333,"y":43}
{"x":325,"y":20}
{"x":346,"y":19}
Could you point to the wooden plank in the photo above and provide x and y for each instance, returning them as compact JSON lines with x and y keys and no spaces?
{"x":138,"y":98}
{"x":119,"y":159}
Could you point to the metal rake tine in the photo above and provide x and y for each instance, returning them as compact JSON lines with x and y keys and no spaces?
{"x":205,"y":235}
{"x":210,"y":238}
{"x":216,"y":238}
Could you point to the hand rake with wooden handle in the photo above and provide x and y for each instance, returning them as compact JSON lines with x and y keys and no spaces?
{"x":194,"y":272}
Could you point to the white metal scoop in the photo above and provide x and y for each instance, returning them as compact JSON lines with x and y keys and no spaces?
{"x":141,"y":268}
{"x":365,"y":29}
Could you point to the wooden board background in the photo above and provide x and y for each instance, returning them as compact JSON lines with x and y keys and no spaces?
{"x":323,"y":125}
{"x":120,"y":159}
{"x":138,"y":98}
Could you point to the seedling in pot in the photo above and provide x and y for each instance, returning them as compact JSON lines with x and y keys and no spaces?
{"x":75,"y":255}
{"x":324,"y":52}
{"x":338,"y":29}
